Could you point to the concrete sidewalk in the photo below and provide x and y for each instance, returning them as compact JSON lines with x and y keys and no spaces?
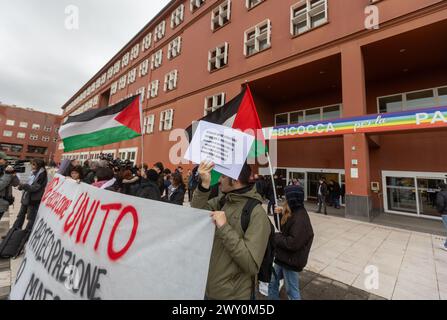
{"x":410,"y":264}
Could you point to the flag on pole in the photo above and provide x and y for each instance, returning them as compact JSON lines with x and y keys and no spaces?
{"x":239,"y":113}
{"x":99,"y":127}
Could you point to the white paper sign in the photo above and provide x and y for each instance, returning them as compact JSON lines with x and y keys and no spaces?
{"x":89,"y":243}
{"x":354,"y":173}
{"x":226,"y":147}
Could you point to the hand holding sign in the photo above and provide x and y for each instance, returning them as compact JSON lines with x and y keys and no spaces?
{"x":226,"y":147}
{"x":204,"y":170}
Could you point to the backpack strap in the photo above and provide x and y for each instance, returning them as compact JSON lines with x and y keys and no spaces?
{"x":246,"y":212}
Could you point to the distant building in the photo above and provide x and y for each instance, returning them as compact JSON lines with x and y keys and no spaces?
{"x":27,"y":134}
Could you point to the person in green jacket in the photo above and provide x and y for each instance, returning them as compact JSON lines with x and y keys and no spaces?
{"x":236,"y":257}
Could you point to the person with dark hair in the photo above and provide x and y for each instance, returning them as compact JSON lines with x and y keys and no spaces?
{"x":148,"y":188}
{"x":335,"y":194}
{"x":167,"y":181}
{"x":176,"y":191}
{"x":237,"y":255}
{"x":8,"y":179}
{"x":322,"y":194}
{"x":270,"y":196}
{"x":105,"y":179}
{"x":292,"y":245}
{"x":193,"y":182}
{"x":441,"y":206}
{"x":159,"y":168}
{"x":77,"y":174}
{"x":32,"y":194}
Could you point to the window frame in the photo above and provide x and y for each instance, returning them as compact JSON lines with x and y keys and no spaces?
{"x":166,"y":123}
{"x":217,"y":57}
{"x":177,"y":16}
{"x":176,"y":47}
{"x":214,"y":107}
{"x":255,"y":39}
{"x":171,"y":81}
{"x":308,"y":12}
{"x":217,"y":16}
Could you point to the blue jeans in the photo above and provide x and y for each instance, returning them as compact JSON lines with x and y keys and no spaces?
{"x":444,"y":219}
{"x":291,"y":282}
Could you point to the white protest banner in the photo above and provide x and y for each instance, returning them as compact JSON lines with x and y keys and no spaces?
{"x":228,"y":148}
{"x":89,"y":243}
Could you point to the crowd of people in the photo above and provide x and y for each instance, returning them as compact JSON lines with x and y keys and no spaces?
{"x":246,"y":245}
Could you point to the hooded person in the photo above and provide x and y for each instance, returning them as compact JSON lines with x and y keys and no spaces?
{"x":7,"y":180}
{"x":149,"y":188}
{"x":292,"y":244}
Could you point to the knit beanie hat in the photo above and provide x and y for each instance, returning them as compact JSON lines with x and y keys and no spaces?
{"x":294,"y":197}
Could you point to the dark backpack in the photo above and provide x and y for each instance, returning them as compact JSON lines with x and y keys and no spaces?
{"x":265,"y":272}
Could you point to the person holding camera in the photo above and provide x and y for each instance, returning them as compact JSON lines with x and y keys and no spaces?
{"x":32,"y":195}
{"x":8,"y":179}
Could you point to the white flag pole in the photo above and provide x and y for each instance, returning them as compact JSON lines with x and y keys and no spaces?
{"x":274,"y":191}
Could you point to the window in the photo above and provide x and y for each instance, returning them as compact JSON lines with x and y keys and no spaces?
{"x":132,"y":76}
{"x":213,"y":103}
{"x":34,"y":137}
{"x":122,"y":82}
{"x":135,"y":52}
{"x":7,"y":133}
{"x":309,"y":115}
{"x":45,"y":138}
{"x":332,"y":112}
{"x":420,"y":99}
{"x":21,"y":135}
{"x":114,"y":88}
{"x":218,"y":58}
{"x":160,"y":31}
{"x":144,"y":68}
{"x":56,"y":130}
{"x":152,"y":90}
{"x":196,"y":4}
{"x":312,"y":115}
{"x":10,"y":122}
{"x":125,"y":60}
{"x":171,"y":80}
{"x":149,"y":123}
{"x":103,"y":78}
{"x":61,"y":146}
{"x":147,"y":42}
{"x":55,"y":140}
{"x":116,"y":67}
{"x":157,"y":59}
{"x":110,"y":73}
{"x":252,"y":3}
{"x":296,"y":117}
{"x":413,"y":100}
{"x":166,"y":120}
{"x":282,"y":119}
{"x":36,"y":126}
{"x":174,"y":47}
{"x":177,"y":16}
{"x":390,"y":104}
{"x":257,"y":38}
{"x":23,"y":125}
{"x":47,"y":129}
{"x":308,"y":14}
{"x":221,"y":15}
{"x":442,"y":94}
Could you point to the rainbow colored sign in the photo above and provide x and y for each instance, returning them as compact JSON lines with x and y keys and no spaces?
{"x":397,"y":121}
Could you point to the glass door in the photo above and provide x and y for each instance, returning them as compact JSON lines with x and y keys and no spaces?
{"x":401,"y":194}
{"x":428,"y":189}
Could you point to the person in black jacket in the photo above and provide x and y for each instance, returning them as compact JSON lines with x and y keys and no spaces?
{"x":322,"y":195}
{"x":176,"y":191}
{"x":148,"y":188}
{"x":441,"y":205}
{"x":32,"y":195}
{"x":292,"y":245}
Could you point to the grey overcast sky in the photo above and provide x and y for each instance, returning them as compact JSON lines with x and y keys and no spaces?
{"x":42,"y":63}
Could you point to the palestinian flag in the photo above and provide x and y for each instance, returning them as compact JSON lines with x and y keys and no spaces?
{"x":99,"y":127}
{"x":239,"y":113}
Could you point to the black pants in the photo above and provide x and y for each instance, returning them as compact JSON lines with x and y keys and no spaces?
{"x":29,"y":211}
